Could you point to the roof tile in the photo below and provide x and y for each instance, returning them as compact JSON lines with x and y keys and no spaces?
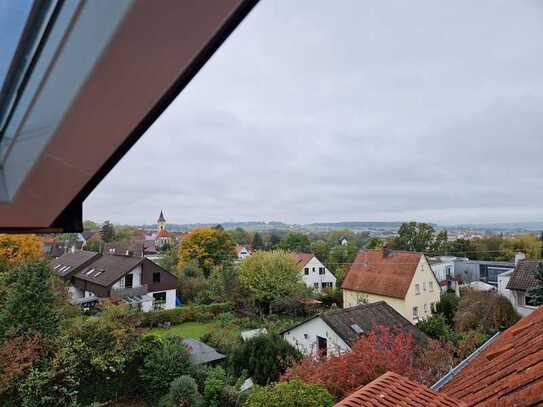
{"x":376,"y":273}
{"x":392,"y":389}
{"x":508,"y":372}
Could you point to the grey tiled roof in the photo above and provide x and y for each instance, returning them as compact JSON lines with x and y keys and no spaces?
{"x":523,"y":278}
{"x":367,"y":316}
{"x":73,"y":260}
{"x":112,"y":269}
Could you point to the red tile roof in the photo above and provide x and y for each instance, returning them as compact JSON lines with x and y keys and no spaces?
{"x":509,"y":372}
{"x":374,"y":273}
{"x":302,"y":259}
{"x":164,"y":233}
{"x":392,"y":390}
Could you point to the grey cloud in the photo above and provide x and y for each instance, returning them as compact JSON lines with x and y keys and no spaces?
{"x":379,"y":110}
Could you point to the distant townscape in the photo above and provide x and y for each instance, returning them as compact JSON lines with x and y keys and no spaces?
{"x":251,"y":314}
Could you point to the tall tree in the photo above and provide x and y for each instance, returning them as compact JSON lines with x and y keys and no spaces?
{"x":240,"y":235}
{"x":271,"y":276}
{"x":258,"y":242}
{"x":31,"y":305}
{"x":274,"y":241}
{"x":537,"y":292}
{"x":419,"y":237}
{"x":107,"y":232}
{"x":320,"y":249}
{"x":208,"y":247}
{"x":296,"y":242}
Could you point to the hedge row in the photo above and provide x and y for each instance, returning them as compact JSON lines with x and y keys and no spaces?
{"x":193,"y":313}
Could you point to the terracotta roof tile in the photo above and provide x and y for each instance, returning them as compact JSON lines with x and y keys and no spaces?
{"x":508,"y":372}
{"x":302,"y":259}
{"x":523,"y":278}
{"x":392,"y":390}
{"x":373,"y":272}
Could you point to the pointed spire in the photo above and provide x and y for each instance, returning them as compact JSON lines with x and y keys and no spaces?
{"x":161,"y":218}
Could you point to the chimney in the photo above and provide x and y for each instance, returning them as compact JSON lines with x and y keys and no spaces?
{"x":518,"y":257}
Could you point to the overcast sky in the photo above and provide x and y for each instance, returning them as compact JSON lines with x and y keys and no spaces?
{"x":350,"y":110}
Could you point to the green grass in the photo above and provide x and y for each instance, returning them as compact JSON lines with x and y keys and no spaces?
{"x":194,"y":330}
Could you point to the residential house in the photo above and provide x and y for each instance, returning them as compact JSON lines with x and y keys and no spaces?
{"x":54,"y":249}
{"x":136,"y":281}
{"x":516,"y":283}
{"x":343,"y":241}
{"x":404,"y":280}
{"x":443,"y":268}
{"x":134,"y":248}
{"x":505,"y":371}
{"x":242,"y":251}
{"x":334,"y":333}
{"x":314,"y":274}
{"x":468,"y":271}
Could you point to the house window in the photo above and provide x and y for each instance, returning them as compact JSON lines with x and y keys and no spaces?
{"x":159,"y":300}
{"x":426,"y":308}
{"x":321,"y":270}
{"x":128,"y":281}
{"x":156,"y":277}
{"x":316,"y":286}
{"x":306,"y":271}
{"x":417,"y":289}
{"x":424,"y":286}
{"x":306,"y":336}
{"x":530,"y":301}
{"x":313,"y":269}
{"x":415,"y":314}
{"x":431,"y":286}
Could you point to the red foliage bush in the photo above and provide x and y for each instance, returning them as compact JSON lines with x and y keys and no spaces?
{"x":16,"y":357}
{"x":381,"y":350}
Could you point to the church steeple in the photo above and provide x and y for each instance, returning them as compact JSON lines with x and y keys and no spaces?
{"x":161,"y":222}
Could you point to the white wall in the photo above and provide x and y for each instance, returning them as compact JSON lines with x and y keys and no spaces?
{"x":313,"y":328}
{"x":170,"y":298}
{"x":314,"y":277}
{"x":243,"y":253}
{"x":136,"y":280}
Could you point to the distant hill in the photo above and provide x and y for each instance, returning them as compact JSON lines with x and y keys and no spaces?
{"x":274,"y":225}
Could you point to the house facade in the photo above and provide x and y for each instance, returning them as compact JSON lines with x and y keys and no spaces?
{"x":334,"y":333}
{"x":404,"y":280}
{"x":136,"y":281}
{"x":515,"y":285}
{"x":242,"y":251}
{"x":444,"y":270}
{"x":314,"y":274}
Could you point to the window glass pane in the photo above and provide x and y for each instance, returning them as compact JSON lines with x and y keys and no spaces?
{"x":13,"y":15}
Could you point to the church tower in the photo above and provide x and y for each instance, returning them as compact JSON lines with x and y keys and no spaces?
{"x":161,"y":223}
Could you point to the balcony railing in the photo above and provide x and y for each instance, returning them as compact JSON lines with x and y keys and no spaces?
{"x":129,"y":291}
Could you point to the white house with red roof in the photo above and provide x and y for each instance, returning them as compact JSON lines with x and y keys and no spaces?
{"x":315,"y":275}
{"x":242,"y":251}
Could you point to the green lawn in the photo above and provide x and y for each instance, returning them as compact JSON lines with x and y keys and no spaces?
{"x":194,"y":330}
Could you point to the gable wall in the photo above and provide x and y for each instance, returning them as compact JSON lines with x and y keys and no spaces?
{"x":313,"y":328}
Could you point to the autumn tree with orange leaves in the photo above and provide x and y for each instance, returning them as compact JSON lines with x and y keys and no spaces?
{"x":17,"y":249}
{"x":207,"y":247}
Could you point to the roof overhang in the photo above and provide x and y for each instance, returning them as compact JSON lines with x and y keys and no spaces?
{"x":100,"y":75}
